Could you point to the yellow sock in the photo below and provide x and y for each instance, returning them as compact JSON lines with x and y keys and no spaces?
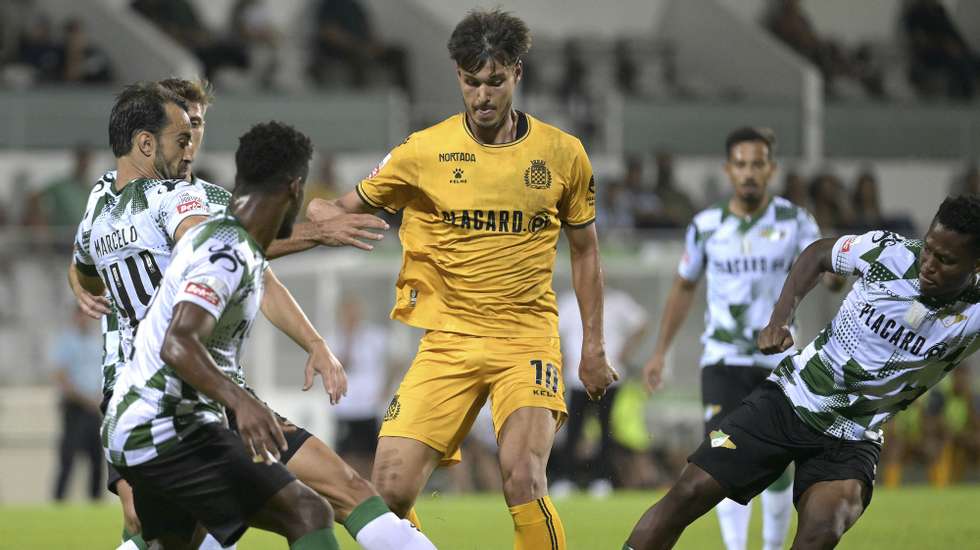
{"x":537,"y":526}
{"x":413,"y":518}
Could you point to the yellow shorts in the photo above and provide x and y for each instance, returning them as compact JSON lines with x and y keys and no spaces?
{"x":454,"y":374}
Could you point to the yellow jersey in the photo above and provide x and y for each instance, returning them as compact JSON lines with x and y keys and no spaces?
{"x":480,"y":224}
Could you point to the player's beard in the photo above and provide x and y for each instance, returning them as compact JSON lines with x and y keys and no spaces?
{"x":752,"y":192}
{"x":162,"y":168}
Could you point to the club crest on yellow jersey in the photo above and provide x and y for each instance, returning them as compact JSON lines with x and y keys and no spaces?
{"x":537,"y":176}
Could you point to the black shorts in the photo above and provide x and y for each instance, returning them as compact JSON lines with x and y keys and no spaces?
{"x":724,"y":387}
{"x":294,"y":440}
{"x":294,"y":437}
{"x":357,"y":436}
{"x":112,"y":477}
{"x":757,"y":441}
{"x":208,"y":478}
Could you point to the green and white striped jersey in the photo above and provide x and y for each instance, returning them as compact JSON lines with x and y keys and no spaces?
{"x":219,"y":267}
{"x":746,"y":261}
{"x":126,"y":238}
{"x":885,"y":347}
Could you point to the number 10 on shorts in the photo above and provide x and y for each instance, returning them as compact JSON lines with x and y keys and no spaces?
{"x":545,"y":375}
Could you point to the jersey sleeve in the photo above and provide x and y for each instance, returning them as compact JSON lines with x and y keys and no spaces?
{"x":80,"y":251}
{"x":853,"y":254}
{"x":809,"y":231}
{"x":577,"y":206}
{"x":392,"y":184}
{"x":183,"y":202}
{"x":692,"y":261}
{"x":211,"y":279}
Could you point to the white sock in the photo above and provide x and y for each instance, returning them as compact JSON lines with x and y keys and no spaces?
{"x":777,"y":509}
{"x":389,"y":532}
{"x":209,"y":543}
{"x":128,"y":545}
{"x":734,"y":520}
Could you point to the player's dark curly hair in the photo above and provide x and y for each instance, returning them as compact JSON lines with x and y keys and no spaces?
{"x":192,"y":91}
{"x":488,"y":35}
{"x":746,"y":134}
{"x":270,"y":155}
{"x":139,"y":107}
{"x":962,"y":214}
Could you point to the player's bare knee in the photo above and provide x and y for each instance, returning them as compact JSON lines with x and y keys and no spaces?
{"x":524,"y":481}
{"x":818,"y":534}
{"x":312,"y":512}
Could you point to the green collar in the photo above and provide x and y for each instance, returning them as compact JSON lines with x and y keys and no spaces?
{"x":744,"y":224}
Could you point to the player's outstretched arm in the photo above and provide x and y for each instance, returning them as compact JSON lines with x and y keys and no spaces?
{"x":346,"y":221}
{"x":675,"y":311}
{"x":812,"y":263}
{"x":89,"y":292}
{"x":594,"y":370}
{"x":184,"y":351}
{"x":281,"y":309}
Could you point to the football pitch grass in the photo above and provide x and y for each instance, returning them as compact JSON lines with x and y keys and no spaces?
{"x":906,"y":518}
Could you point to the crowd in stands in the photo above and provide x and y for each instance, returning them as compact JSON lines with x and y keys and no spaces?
{"x":939,"y":62}
{"x":35,"y":50}
{"x":928,"y":56}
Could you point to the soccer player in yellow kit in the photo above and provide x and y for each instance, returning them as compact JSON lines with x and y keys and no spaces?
{"x":484,"y":194}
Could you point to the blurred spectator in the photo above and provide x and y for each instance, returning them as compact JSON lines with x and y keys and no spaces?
{"x":867,"y":209}
{"x":82,"y":61}
{"x":636,"y":201}
{"x":39,"y":50}
{"x":829,"y":204}
{"x":867,"y":214}
{"x":615,"y":209}
{"x":788,"y":22}
{"x":178,"y":19}
{"x":626,"y":69}
{"x":344,"y":35}
{"x":940,"y":60}
{"x":574,"y":93}
{"x":795,"y":190}
{"x":76,"y":356}
{"x":61,"y":203}
{"x":252,"y":25}
{"x":361,"y":347}
{"x":322,"y":186}
{"x":624,"y":324}
{"x":957,"y":409}
{"x":677,"y":209}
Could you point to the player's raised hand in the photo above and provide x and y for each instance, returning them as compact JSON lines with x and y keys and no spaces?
{"x":259,"y":429}
{"x":653,"y":373}
{"x":335,"y":226}
{"x":774,"y":339}
{"x":596,"y":375}
{"x":322,"y":361}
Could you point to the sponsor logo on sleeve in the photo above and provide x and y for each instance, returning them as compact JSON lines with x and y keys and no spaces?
{"x":203,"y":292}
{"x":379,"y":166}
{"x":188,"y":203}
